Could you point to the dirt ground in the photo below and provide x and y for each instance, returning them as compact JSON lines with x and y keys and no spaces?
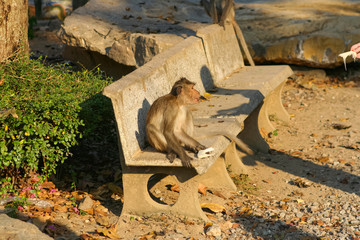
{"x":315,"y":154}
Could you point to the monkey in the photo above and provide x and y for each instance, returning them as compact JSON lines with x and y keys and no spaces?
{"x":169,"y":122}
{"x":170,"y":126}
{"x":222,"y":11}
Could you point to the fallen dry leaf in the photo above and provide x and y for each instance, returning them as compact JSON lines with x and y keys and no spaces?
{"x":103,"y":189}
{"x":339,"y":126}
{"x":226,"y":225}
{"x":175,"y":188}
{"x":207,"y":225}
{"x":102,"y":220}
{"x":323,"y":159}
{"x":343,"y":119}
{"x":110,"y":232}
{"x":219,"y":194}
{"x":202,"y":189}
{"x":353,"y":147}
{"x":318,"y":222}
{"x":86,"y":236}
{"x":300,"y":182}
{"x":48,"y":185}
{"x":345,"y":180}
{"x":115,"y":189}
{"x":207,"y":96}
{"x":58,"y":208}
{"x":214,"y":207}
{"x":236,"y":225}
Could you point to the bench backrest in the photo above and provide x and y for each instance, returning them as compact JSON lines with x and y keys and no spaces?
{"x":204,"y":59}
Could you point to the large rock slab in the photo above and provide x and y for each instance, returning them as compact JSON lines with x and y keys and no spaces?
{"x":130,"y":33}
{"x":15,"y":229}
{"x":310,"y":33}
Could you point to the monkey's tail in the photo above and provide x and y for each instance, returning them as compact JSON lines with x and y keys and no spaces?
{"x":243,"y":146}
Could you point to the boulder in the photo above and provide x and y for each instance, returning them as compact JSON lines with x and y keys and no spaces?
{"x":130,"y":33}
{"x":300,"y":32}
{"x":11,"y":228}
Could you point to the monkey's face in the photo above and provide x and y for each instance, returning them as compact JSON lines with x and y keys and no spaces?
{"x":194,"y":95}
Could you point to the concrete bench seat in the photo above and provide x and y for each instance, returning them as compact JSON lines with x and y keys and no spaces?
{"x":150,"y":157}
{"x":241,"y":104}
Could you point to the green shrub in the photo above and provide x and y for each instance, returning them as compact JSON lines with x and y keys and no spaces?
{"x":39,"y":115}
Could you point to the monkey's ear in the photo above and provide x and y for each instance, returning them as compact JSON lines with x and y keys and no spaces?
{"x":178,"y":90}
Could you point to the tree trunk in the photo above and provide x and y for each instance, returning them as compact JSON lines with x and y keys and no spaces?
{"x":13,"y":27}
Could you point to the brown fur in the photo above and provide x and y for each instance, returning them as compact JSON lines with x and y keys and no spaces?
{"x":169,"y":123}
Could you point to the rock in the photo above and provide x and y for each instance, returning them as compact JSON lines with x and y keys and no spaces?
{"x":214,"y":231}
{"x":35,"y":201}
{"x":86,"y":203}
{"x":300,"y":33}
{"x":15,"y":229}
{"x":131,"y":33}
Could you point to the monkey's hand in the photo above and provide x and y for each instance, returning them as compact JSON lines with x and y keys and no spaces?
{"x":199,"y":147}
{"x":185,"y":160}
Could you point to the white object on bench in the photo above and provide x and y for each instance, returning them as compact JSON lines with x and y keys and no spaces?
{"x":206,"y":153}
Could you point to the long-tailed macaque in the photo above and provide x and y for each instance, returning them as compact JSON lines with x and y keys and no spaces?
{"x":169,"y":123}
{"x":222,"y":11}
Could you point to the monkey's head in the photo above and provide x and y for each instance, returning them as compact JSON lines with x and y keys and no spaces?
{"x":185,"y":92}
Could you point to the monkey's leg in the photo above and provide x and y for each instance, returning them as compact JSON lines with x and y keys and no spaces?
{"x":156,"y":138}
{"x":251,"y":132}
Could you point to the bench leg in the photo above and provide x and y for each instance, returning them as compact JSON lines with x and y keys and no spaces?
{"x":233,"y":162}
{"x":217,"y":177}
{"x":251,"y":132}
{"x":273,"y":106}
{"x":137,"y":200}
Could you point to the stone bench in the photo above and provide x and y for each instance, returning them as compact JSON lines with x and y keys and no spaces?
{"x":212,"y":60}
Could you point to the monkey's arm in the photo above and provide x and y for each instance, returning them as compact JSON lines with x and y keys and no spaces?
{"x":173,"y":144}
{"x":189,"y":141}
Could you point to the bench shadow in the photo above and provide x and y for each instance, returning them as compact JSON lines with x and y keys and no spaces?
{"x":267,"y":228}
{"x":321,"y":174}
{"x":254,"y":97}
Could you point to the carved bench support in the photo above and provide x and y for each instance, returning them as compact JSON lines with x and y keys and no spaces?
{"x":233,"y":162}
{"x":251,"y":132}
{"x":138,"y":201}
{"x":217,"y":177}
{"x":273,"y":106}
